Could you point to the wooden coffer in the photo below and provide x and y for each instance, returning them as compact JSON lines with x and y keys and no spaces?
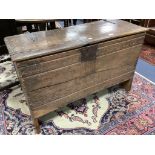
{"x":63,"y":65}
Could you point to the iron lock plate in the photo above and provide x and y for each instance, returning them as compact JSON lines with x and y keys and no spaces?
{"x":88,"y":53}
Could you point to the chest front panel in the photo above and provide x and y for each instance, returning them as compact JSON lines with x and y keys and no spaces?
{"x":60,"y":78}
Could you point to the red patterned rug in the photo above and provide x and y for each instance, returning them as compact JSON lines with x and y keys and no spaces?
{"x":109,"y":112}
{"x":148,"y":54}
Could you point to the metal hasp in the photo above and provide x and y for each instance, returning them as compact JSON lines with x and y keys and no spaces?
{"x":88,"y":53}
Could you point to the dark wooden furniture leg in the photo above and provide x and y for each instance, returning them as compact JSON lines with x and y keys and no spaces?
{"x":29,"y":27}
{"x":65,"y":23}
{"x":74,"y":21}
{"x":42,"y":26}
{"x":37,"y":125}
{"x":85,"y":20}
{"x":36,"y":26}
{"x":52,"y":25}
{"x":127,"y":85}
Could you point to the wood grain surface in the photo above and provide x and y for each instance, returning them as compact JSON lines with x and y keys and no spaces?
{"x":32,"y":45}
{"x":80,"y":69}
{"x":61,"y":66}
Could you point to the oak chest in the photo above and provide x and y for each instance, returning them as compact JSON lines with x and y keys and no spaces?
{"x":60,"y":66}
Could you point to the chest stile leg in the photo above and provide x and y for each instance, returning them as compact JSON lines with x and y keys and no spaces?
{"x":37,"y":125}
{"x":127,"y":84}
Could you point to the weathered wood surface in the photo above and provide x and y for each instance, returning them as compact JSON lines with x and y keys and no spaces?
{"x":51,"y":93}
{"x":127,"y":84}
{"x":32,"y":45}
{"x":51,"y":106}
{"x":62,"y":66}
{"x":150,"y":39}
{"x":116,"y":59}
{"x":37,"y":125}
{"x":38,"y":60}
{"x":39,"y":65}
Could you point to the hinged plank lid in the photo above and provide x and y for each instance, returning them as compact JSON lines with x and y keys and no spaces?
{"x":32,"y":45}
